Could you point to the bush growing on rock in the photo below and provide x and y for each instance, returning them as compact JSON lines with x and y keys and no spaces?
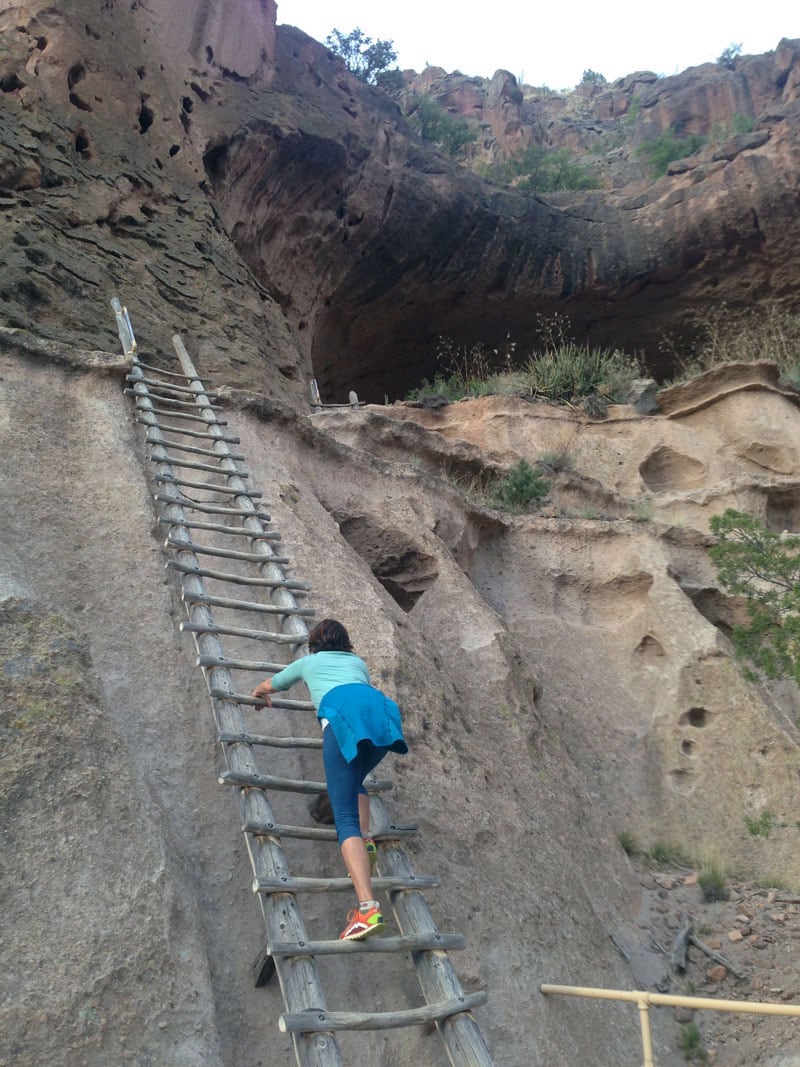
{"x":436,"y":125}
{"x":543,"y":170}
{"x":763,"y":567}
{"x":659,"y":152}
{"x":368,"y":60}
{"x":767,"y":331}
{"x":521,"y":488}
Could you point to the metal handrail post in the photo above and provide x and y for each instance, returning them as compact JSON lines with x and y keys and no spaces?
{"x":645,"y":1000}
{"x":647,"y":1037}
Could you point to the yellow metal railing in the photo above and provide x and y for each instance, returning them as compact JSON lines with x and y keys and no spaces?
{"x":643,"y":1000}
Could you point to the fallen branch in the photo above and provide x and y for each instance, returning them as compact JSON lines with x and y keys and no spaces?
{"x":714,"y":956}
{"x":679,"y":957}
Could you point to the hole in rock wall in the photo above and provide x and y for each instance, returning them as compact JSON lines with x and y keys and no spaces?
{"x":688,"y":747}
{"x":720,"y":610}
{"x":79,"y":102}
{"x":214,"y":161}
{"x":404,"y":570}
{"x":146,"y":118}
{"x":75,"y":74}
{"x":665,"y":469}
{"x":649,"y":650}
{"x":697,"y":717}
{"x":83,"y":145}
{"x":783,"y":510}
{"x":683,"y":781}
{"x":11,"y":84}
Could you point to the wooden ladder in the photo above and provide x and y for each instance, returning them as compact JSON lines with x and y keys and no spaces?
{"x":189,"y":446}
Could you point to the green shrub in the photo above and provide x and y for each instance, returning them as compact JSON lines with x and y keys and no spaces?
{"x":691,"y":1043}
{"x":739,"y":123}
{"x":574,"y":370}
{"x":760,"y":825}
{"x":544,"y":170}
{"x":435,"y":124}
{"x":727,"y":58}
{"x":593,"y":79}
{"x":368,"y":60}
{"x":630,"y":846}
{"x":712,"y":881}
{"x":764,"y":567}
{"x":634,"y":108}
{"x":659,"y":152}
{"x":642,"y":510}
{"x":663,"y":854}
{"x":560,"y":371}
{"x":769,"y":331}
{"x":521,"y":488}
{"x":558,"y":459}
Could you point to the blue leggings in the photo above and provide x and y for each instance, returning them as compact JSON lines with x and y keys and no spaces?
{"x":345,"y":781}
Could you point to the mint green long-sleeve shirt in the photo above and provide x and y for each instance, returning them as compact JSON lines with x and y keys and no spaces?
{"x":322,"y":671}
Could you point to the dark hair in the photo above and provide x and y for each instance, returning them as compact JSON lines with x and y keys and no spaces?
{"x":329,"y":636}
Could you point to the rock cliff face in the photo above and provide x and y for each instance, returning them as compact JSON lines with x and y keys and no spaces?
{"x":565,"y":676}
{"x":136,"y":136}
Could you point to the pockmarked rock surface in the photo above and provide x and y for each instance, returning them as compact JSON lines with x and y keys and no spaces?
{"x":230,"y":174}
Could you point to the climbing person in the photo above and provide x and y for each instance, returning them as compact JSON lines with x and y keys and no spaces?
{"x":360,"y":724}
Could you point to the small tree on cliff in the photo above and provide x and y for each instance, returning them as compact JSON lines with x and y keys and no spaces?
{"x":368,"y":60}
{"x":435,"y":124}
{"x":764,"y":568}
{"x":727,"y":58}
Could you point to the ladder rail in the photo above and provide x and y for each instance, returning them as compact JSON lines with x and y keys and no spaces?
{"x":289,"y":953}
{"x":298,"y":976}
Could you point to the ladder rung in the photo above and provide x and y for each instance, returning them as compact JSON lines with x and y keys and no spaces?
{"x":181,"y":415}
{"x":227,"y":738}
{"x":225,"y":553}
{"x":171,"y":373}
{"x":403,"y":943}
{"x":168,"y":385}
{"x":186,"y":433}
{"x":210,"y":509}
{"x":242,"y":631}
{"x":320,"y":833}
{"x":209,"y":467}
{"x":271,"y":781}
{"x":239,"y":579}
{"x":292,"y":785}
{"x":341,"y":885}
{"x":168,"y":400}
{"x":277,"y":702}
{"x":244,"y":605}
{"x":261,"y":666}
{"x":194,"y":450}
{"x":218,"y":527}
{"x":209,"y":486}
{"x":311,"y":1021}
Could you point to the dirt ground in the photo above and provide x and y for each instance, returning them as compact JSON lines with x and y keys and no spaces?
{"x":750,"y":953}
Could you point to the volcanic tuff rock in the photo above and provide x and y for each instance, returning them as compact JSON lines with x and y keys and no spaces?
{"x":163,"y":155}
{"x":565,"y":676}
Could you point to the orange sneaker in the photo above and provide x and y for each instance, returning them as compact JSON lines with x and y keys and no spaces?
{"x":362,"y":924}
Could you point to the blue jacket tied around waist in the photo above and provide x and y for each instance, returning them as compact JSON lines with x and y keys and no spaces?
{"x":358,"y":712}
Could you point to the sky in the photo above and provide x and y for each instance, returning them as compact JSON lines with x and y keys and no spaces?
{"x":553,"y":43}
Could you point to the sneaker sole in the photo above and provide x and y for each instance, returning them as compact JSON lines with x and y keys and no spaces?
{"x":362,"y":935}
